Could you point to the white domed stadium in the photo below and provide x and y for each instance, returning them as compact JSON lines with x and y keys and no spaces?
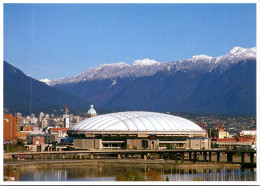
{"x":137,"y":122}
{"x":135,"y":129}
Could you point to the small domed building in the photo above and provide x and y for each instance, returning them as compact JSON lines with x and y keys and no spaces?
{"x":137,"y":130}
{"x":91,"y":112}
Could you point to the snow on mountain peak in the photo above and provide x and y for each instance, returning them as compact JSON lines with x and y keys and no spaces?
{"x":145,"y":62}
{"x":148,"y":67}
{"x":200,"y":57}
{"x":237,"y":53}
{"x":45,"y":81}
{"x":113,"y":64}
{"x":237,"y":50}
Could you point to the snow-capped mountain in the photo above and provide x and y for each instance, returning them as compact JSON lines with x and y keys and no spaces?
{"x":148,"y":67}
{"x":45,"y":80}
{"x":200,"y":84}
{"x":139,"y":68}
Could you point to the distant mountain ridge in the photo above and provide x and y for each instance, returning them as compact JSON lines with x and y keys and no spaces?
{"x":147,"y":67}
{"x":25,"y":94}
{"x":201,"y":84}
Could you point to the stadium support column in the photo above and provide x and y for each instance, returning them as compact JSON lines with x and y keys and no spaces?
{"x":209,"y":156}
{"x":205,"y":156}
{"x":161,"y":155}
{"x":229,"y":157}
{"x":144,"y":157}
{"x":251,"y":159}
{"x":194,"y":156}
{"x":218,"y":156}
{"x":182,"y":157}
{"x":242,"y":158}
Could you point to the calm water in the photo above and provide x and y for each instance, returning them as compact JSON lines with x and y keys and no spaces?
{"x":112,"y":172}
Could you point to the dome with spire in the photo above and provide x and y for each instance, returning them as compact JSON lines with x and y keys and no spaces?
{"x":91,"y":112}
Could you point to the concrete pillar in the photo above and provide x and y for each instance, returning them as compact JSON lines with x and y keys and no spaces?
{"x":91,"y":156}
{"x":209,"y":156}
{"x":161,"y":155}
{"x":251,"y":158}
{"x":194,"y":156}
{"x":204,"y":156}
{"x":170,"y":155}
{"x":218,"y":156}
{"x":190,"y":156}
{"x":229,"y":157}
{"x":242,"y":158}
{"x":182,"y":157}
{"x":145,"y":157}
{"x":119,"y":156}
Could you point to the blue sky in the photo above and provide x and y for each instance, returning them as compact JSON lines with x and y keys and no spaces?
{"x":60,"y":40}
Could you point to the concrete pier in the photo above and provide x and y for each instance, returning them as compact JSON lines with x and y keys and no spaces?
{"x":205,"y":156}
{"x":209,"y":156}
{"x":172,"y":154}
{"x":190,"y":154}
{"x":252,"y":159}
{"x":229,"y":157}
{"x":218,"y":156}
{"x":242,"y":158}
{"x":194,"y":156}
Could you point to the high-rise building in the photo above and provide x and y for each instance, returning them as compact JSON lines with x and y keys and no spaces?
{"x":34,"y":121}
{"x":66,"y":118}
{"x":18,"y":122}
{"x":18,"y":114}
{"x":41,"y":115}
{"x":44,"y":123}
{"x":27,"y":120}
{"x":10,"y":123}
{"x":52,"y":116}
{"x":71,"y":117}
{"x":77,"y":119}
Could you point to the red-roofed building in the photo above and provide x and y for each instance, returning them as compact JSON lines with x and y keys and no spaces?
{"x":64,"y":130}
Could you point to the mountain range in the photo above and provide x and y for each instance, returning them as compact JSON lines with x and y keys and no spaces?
{"x":28,"y":95}
{"x":201,"y":84}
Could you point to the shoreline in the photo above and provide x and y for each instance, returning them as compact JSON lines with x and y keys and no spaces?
{"x":42,"y":164}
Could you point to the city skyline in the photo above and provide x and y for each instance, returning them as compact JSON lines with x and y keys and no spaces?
{"x":46,"y":40}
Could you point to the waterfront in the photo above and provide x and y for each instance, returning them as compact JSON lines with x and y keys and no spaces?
{"x":128,"y":171}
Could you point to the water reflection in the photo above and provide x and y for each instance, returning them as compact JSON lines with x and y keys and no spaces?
{"x":130,"y":172}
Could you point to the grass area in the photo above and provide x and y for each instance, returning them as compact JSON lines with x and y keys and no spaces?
{"x":14,"y":148}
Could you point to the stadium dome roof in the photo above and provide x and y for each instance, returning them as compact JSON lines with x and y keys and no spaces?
{"x":136,"y":121}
